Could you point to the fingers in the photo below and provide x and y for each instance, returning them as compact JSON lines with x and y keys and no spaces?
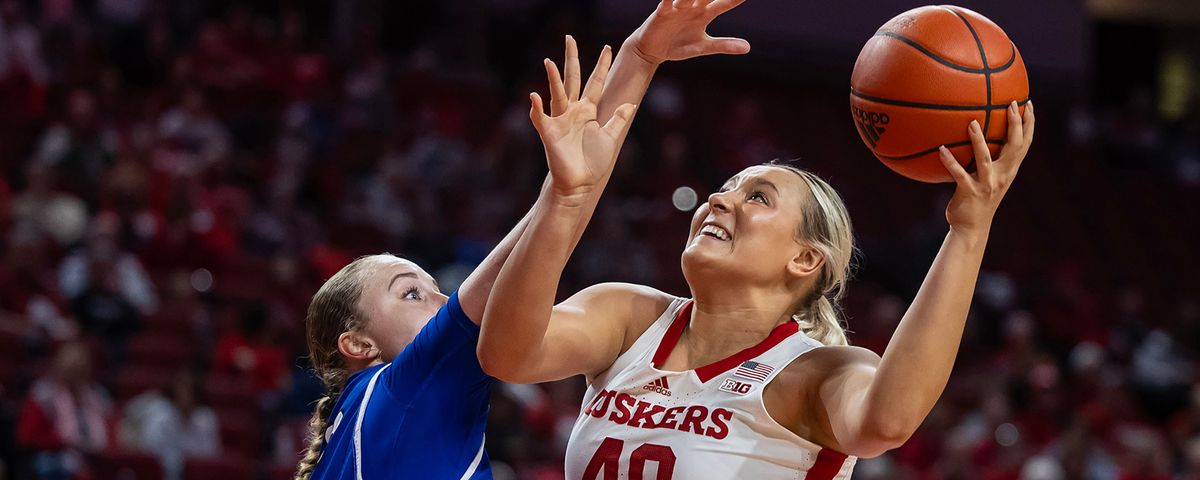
{"x":620,"y":121}
{"x":536,"y":110}
{"x":1014,"y":146}
{"x":558,"y":92}
{"x":571,"y":69}
{"x":1026,"y":137}
{"x":1016,"y":131}
{"x":595,"y":84}
{"x":983,"y":157}
{"x":727,"y":46}
{"x":558,"y":100}
{"x":960,"y":175}
{"x":721,"y":6}
{"x":1028,"y":123}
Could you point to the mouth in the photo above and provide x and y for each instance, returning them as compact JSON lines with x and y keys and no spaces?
{"x":716,"y":231}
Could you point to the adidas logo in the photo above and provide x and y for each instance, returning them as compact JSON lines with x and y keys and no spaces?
{"x":870,"y":124}
{"x":659,"y":386}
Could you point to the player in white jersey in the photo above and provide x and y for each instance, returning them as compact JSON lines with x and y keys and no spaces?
{"x":751,"y":377}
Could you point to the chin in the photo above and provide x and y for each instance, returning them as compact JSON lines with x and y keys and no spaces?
{"x":698,"y":261}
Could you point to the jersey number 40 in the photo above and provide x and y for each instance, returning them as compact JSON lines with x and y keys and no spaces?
{"x":608,"y":457}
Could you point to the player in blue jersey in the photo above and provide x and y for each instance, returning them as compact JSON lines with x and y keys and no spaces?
{"x":406,"y":397}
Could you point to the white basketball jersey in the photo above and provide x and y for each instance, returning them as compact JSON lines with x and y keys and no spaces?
{"x":638,"y":422}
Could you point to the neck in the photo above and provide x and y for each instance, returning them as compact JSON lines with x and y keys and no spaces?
{"x":727,"y":319}
{"x":356,"y":365}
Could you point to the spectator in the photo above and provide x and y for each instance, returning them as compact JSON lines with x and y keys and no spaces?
{"x":43,"y":211}
{"x":122,"y":275}
{"x":174,"y":426}
{"x":250,"y":352}
{"x":30,"y":302}
{"x":65,"y":416}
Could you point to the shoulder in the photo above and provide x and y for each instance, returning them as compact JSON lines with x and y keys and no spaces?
{"x":629,"y":305}
{"x":832,"y":358}
{"x":617,"y":301}
{"x":796,"y":397}
{"x":810,"y":372}
{"x":620,"y":291}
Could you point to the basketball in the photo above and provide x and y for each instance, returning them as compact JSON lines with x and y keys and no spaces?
{"x":923,"y":77}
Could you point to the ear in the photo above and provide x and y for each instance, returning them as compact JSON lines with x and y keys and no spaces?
{"x":806,"y":262}
{"x":357,"y":347}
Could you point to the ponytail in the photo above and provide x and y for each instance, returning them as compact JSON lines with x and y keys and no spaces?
{"x":316,"y":436}
{"x":821,"y":322}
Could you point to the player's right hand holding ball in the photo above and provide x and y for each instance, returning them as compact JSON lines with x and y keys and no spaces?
{"x":977,"y":195}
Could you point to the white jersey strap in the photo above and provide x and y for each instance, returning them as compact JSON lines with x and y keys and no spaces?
{"x":475,"y":463}
{"x":362,"y":412}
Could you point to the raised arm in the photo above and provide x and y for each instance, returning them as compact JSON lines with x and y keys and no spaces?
{"x":525,"y":338}
{"x":580,"y":153}
{"x":876,"y":405}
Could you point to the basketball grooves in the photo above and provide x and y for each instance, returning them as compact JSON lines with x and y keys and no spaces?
{"x":987,"y":72}
{"x":1012,"y":56}
{"x":934,"y":149}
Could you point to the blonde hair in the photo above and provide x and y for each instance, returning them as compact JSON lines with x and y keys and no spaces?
{"x":825,"y":225}
{"x":333,"y":310}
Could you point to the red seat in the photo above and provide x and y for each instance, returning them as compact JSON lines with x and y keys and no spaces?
{"x":126,"y":464}
{"x":177,"y":323}
{"x":241,"y":431}
{"x":229,"y":391}
{"x":135,"y":379}
{"x":228,"y":467}
{"x":283,"y":472}
{"x":12,"y":345}
{"x":161,"y":348}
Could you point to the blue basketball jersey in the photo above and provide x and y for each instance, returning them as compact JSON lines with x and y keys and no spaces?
{"x":420,"y":416}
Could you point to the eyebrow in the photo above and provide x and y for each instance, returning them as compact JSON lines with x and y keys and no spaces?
{"x":398,"y":275}
{"x":760,"y":181}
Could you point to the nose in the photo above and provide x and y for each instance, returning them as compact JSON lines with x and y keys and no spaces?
{"x":717,"y":201}
{"x":441,"y":298}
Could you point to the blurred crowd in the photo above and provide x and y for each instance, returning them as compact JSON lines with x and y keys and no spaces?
{"x":179,"y":177}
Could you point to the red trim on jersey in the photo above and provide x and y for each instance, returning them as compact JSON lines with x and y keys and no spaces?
{"x":673,"y":333}
{"x":707,"y":372}
{"x":828,"y":464}
{"x":777,"y":335}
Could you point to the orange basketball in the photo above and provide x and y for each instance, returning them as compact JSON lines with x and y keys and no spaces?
{"x":923,"y":77}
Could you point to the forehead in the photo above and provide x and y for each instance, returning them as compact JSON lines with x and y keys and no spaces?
{"x":783,"y":179}
{"x":388,"y":266}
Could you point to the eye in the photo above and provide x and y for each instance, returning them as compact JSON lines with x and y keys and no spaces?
{"x":758,"y":197}
{"x":412,"y":294}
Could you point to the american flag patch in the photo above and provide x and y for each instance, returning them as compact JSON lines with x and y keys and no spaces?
{"x":754,"y":370}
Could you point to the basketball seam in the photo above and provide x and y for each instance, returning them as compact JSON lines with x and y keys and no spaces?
{"x":930,"y":106}
{"x":1012,"y":57}
{"x":987,"y":74}
{"x":927,"y":152}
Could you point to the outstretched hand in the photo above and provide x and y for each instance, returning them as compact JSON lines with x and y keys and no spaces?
{"x":579,"y":151}
{"x":676,"y":31}
{"x":977,"y":195}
